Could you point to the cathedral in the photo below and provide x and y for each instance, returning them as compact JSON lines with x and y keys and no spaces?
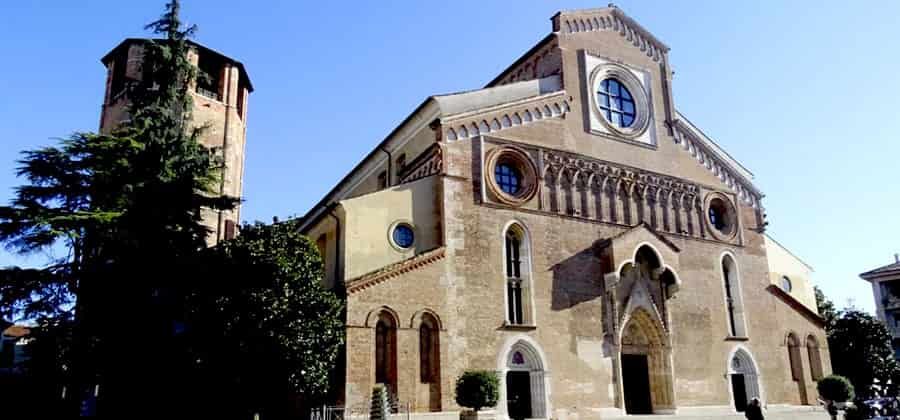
{"x":568,"y":228}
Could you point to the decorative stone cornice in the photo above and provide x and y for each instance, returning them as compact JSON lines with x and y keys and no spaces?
{"x":428,"y":163}
{"x":610,"y":19}
{"x":394,"y":270}
{"x":594,"y":172}
{"x":513,"y":114}
{"x":709,"y":158}
{"x":543,"y":60}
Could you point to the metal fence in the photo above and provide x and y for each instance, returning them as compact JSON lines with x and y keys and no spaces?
{"x":399,"y":411}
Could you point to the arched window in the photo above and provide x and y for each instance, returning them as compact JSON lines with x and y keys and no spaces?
{"x":815,"y":361}
{"x":429,"y":365}
{"x":796,"y":364}
{"x":518,"y":298}
{"x":386,"y":351}
{"x":734,"y":303}
{"x":429,"y":350}
{"x":794,"y":357}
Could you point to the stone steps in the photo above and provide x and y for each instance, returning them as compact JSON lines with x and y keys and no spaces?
{"x":775,"y":413}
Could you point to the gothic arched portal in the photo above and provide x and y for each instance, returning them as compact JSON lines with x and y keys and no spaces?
{"x":646,"y":371}
{"x":523,"y":393}
{"x":743,"y":378}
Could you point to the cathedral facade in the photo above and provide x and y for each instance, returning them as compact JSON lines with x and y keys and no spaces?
{"x":567,"y":227}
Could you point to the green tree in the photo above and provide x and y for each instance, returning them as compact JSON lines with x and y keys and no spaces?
{"x":825,"y":306}
{"x":262,"y":323}
{"x":860,"y":348}
{"x":126,"y":209}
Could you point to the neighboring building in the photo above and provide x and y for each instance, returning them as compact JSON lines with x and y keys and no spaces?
{"x":886,"y":288}
{"x":568,"y":228}
{"x":13,"y":342}
{"x":220,"y":102}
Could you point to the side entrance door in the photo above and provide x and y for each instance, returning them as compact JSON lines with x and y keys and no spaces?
{"x":518,"y":395}
{"x":739,"y":390}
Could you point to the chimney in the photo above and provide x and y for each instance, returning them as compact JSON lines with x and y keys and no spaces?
{"x":896,"y":258}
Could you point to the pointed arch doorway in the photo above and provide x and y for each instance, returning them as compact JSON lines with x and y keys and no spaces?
{"x":646,"y":371}
{"x":743,"y":379}
{"x":523,"y":390}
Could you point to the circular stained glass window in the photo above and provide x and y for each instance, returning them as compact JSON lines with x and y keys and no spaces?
{"x":403,"y":236}
{"x":616,"y":103}
{"x":508,"y":178}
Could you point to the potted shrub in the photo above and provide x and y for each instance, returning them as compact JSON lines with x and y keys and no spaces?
{"x":835,"y":390}
{"x":380,"y":408}
{"x":477,"y":389}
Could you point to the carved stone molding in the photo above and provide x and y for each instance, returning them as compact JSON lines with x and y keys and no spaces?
{"x":554,"y":105}
{"x":611,"y":19}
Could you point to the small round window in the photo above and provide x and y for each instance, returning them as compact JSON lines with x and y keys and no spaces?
{"x":403,"y":235}
{"x":508,"y":178}
{"x":616,"y":103}
{"x":717,"y":217}
{"x":721,"y":216}
{"x":786,"y":284}
{"x":510,"y":175}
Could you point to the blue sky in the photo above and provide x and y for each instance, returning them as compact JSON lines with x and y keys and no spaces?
{"x":803,"y":93}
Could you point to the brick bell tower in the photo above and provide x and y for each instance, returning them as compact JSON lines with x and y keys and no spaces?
{"x":220,"y":102}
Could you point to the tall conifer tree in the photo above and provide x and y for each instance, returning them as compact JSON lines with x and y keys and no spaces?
{"x":126,"y":209}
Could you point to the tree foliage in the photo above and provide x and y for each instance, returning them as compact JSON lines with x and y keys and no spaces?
{"x":824,"y":306}
{"x":126,"y":208}
{"x":477,"y":389}
{"x":860,"y":349}
{"x":835,"y":388}
{"x":139,"y":307}
{"x":260,"y":319}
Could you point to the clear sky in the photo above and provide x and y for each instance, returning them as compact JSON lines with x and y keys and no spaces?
{"x":803,"y":93}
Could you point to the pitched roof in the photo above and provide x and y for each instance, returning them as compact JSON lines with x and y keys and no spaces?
{"x":449,"y":105}
{"x":885,"y":270}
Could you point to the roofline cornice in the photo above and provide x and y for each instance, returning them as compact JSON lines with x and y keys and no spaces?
{"x":881,"y":276}
{"x":421,"y":117}
{"x":128,"y":41}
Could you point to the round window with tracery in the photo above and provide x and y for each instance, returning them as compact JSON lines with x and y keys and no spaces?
{"x":721,"y":216}
{"x":513,"y":177}
{"x":616,"y":103}
{"x":508,"y":178}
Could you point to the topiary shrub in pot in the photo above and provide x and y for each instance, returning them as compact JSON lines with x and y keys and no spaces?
{"x":835,"y":390}
{"x":477,"y":389}
{"x":380,"y":408}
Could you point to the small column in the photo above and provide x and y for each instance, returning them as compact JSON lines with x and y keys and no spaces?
{"x":664,"y":213}
{"x":701,"y":225}
{"x":611,"y":202}
{"x":538,"y":403}
{"x":688,"y":217}
{"x":651,"y":201}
